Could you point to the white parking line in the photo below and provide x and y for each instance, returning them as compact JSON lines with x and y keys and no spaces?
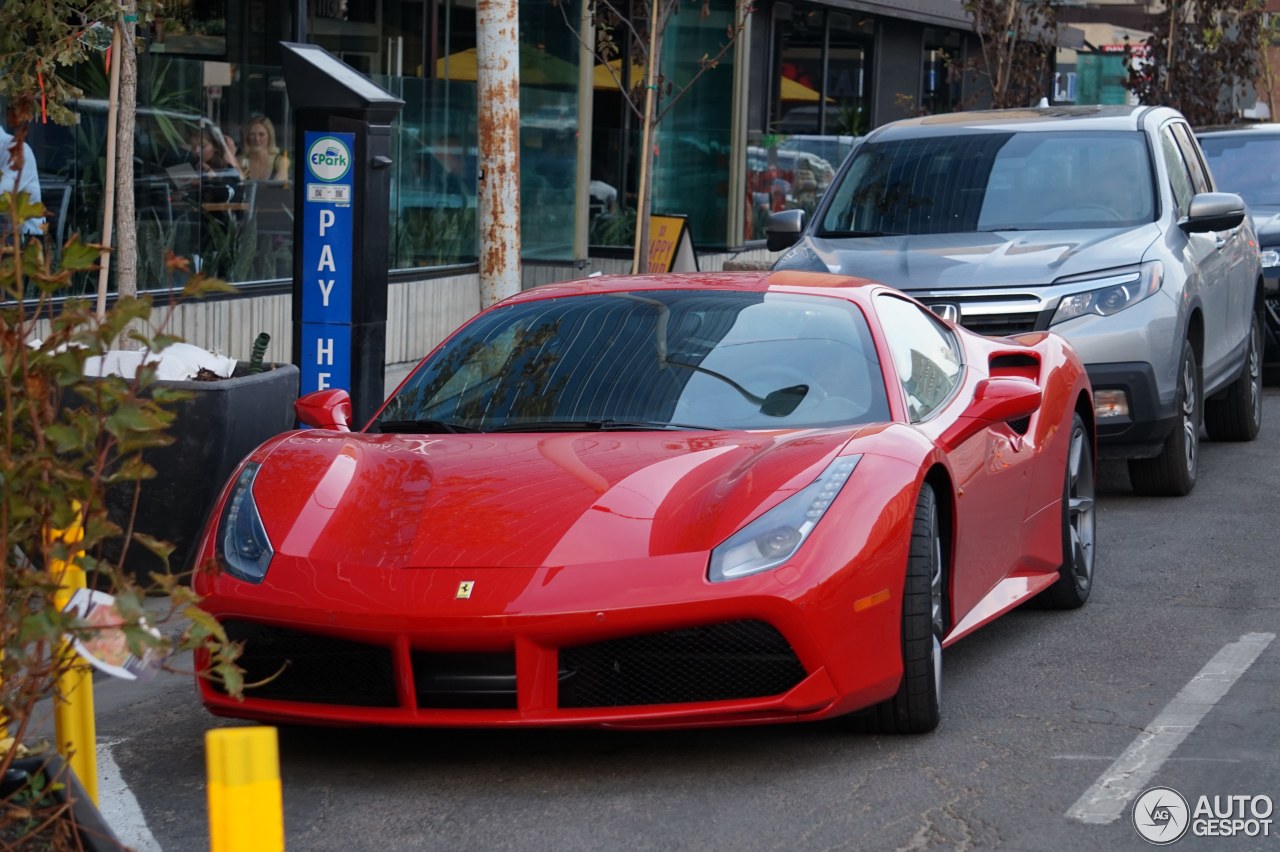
{"x":1106,"y":800}
{"x":119,"y":807}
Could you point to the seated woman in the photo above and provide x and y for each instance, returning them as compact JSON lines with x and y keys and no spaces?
{"x":262,"y":158}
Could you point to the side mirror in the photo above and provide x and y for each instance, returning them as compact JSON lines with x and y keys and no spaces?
{"x":326,"y":409}
{"x":996,"y":400}
{"x":1213,"y":211}
{"x":783,"y":229}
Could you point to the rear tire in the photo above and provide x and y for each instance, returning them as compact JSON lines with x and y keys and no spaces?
{"x":1075,"y":577}
{"x":1237,"y":415}
{"x":916,"y":708}
{"x":1173,"y":472}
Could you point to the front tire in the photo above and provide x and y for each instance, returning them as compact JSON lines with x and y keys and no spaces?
{"x":916,"y":708}
{"x":1237,"y":415}
{"x":1173,"y":472}
{"x":1075,"y":577}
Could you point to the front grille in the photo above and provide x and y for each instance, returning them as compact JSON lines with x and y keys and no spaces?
{"x":312,"y":668}
{"x":733,"y":660}
{"x":465,"y":681}
{"x":999,"y":325}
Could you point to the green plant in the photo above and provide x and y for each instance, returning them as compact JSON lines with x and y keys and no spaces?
{"x":66,"y":440}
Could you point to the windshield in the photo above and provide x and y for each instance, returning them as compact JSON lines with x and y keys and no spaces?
{"x":1245,"y":163}
{"x":649,"y":360}
{"x":992,"y":182}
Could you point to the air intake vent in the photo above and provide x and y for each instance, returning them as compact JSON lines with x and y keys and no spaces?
{"x":734,"y":660}
{"x":313,"y":668}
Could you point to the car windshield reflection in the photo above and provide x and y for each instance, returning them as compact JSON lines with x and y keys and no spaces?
{"x":649,"y":360}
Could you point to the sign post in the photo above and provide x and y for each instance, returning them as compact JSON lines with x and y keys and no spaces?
{"x":342,"y":189}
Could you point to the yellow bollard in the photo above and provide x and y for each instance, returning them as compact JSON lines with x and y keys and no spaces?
{"x":74,"y":723}
{"x":246,"y":807}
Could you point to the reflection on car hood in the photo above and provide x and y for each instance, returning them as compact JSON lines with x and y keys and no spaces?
{"x":521,"y":500}
{"x":1266,"y":221}
{"x":973,"y":260}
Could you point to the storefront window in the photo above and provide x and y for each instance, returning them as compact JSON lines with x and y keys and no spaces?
{"x":820,"y":97}
{"x":691,"y":168}
{"x":941,"y":77}
{"x":190,"y":27}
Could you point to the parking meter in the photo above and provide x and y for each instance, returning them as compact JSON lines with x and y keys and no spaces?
{"x":342,"y":195}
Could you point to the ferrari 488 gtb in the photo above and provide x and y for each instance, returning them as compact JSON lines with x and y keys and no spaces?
{"x":670,"y":500}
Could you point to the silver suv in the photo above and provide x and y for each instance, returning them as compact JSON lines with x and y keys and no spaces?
{"x":1098,"y":223}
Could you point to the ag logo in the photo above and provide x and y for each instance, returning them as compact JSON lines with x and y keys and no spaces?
{"x":1161,"y":815}
{"x":329,"y":159}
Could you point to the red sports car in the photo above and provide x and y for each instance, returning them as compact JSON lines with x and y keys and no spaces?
{"x":667,"y":500}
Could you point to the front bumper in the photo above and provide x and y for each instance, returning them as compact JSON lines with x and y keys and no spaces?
{"x":761,"y":649}
{"x":1142,"y":434}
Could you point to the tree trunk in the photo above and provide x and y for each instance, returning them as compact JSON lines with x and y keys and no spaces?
{"x":644,"y":200}
{"x":126,"y":218}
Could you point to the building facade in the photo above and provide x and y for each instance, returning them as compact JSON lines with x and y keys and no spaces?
{"x":762,"y":131}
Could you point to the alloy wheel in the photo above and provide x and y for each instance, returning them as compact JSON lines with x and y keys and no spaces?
{"x":1080,"y":508}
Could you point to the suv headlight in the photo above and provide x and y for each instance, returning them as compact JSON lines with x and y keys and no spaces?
{"x":1270,"y":258}
{"x":243,"y":549}
{"x":774,"y":537}
{"x":1111,"y":294}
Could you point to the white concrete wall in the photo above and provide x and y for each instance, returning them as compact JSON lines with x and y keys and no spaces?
{"x":419,"y":313}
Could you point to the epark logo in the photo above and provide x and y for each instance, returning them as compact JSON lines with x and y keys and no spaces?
{"x":329,"y":159}
{"x":1161,"y":815}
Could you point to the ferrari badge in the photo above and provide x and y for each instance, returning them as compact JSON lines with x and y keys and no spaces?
{"x":464,"y":589}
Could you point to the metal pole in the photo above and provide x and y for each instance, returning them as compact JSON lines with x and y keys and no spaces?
{"x":246,"y":804}
{"x":498,"y":136}
{"x":75,"y":726}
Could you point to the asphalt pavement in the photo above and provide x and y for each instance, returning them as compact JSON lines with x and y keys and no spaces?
{"x":1040,"y":709}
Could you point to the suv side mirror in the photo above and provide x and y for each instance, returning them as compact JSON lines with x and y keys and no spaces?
{"x":1213,"y":211}
{"x":783,"y":229}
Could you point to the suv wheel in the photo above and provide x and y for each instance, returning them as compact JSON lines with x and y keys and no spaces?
{"x":1237,"y":414}
{"x":1173,"y":472}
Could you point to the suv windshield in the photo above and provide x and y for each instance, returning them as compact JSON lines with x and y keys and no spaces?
{"x":992,"y":182}
{"x":649,"y":360}
{"x":1245,"y":163}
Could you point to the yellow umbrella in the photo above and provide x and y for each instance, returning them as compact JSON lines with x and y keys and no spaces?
{"x":604,"y":79}
{"x":790,"y":90}
{"x":537,"y":68}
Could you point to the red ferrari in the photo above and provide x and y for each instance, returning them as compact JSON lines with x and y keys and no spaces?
{"x":667,"y":500}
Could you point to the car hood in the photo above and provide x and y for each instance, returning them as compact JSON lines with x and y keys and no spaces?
{"x":1266,"y":221}
{"x":525,"y":500}
{"x":974,"y":260}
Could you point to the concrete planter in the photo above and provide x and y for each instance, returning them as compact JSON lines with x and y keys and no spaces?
{"x":89,"y":828}
{"x":213,"y":431}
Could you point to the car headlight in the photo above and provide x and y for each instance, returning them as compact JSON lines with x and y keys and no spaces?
{"x":1111,"y":293}
{"x":243,"y":549}
{"x":1270,"y":258}
{"x":774,"y":537}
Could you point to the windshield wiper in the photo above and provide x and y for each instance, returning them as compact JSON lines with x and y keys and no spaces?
{"x":602,"y":425}
{"x":422,"y":427}
{"x":859,"y":234}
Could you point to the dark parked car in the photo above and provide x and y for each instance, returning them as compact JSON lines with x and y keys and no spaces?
{"x":1100,"y":223}
{"x":1245,"y":159}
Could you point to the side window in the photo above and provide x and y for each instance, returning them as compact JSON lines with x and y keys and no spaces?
{"x":1179,"y":178}
{"x":1200,"y":177}
{"x":925,"y":354}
